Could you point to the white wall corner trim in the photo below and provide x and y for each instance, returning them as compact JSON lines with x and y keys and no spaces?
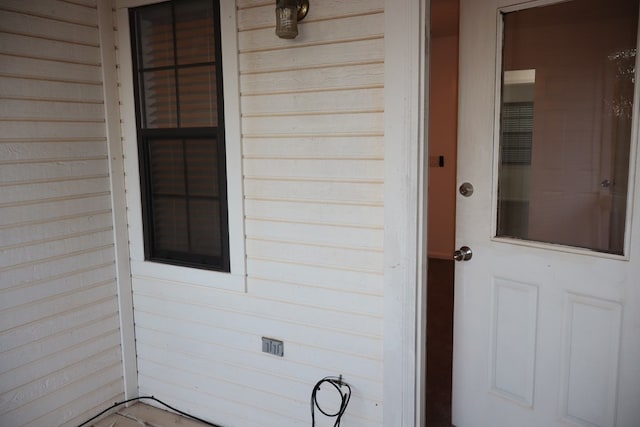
{"x":119,"y":207}
{"x":405,"y":211}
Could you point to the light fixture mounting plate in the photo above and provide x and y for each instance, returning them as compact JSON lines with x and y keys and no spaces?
{"x":303,"y":9}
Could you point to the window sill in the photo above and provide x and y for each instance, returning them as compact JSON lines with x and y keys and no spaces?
{"x":187,"y":275}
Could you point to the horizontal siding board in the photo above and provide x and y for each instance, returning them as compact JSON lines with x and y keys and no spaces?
{"x":370,"y":75}
{"x":204,"y":404}
{"x":51,"y":90}
{"x":20,"y":152}
{"x":340,"y":280}
{"x":244,"y":354}
{"x":263,"y":15}
{"x":340,"y":148}
{"x":40,"y":130}
{"x":42,"y":250}
{"x":12,"y":22}
{"x":347,"y":53}
{"x":345,"y":192}
{"x":314,"y":124}
{"x":358,"y":310}
{"x":42,"y":328}
{"x":41,"y":270}
{"x":24,"y":67}
{"x":45,"y":405}
{"x":59,"y":169}
{"x":55,"y":10}
{"x":315,"y":213}
{"x":227,"y":390}
{"x":366,"y":239}
{"x":270,"y":308}
{"x":15,"y":44}
{"x":279,"y":397}
{"x":29,"y":381}
{"x":87,"y":203}
{"x":239,"y":344}
{"x":86,"y":3}
{"x":318,"y":357}
{"x":330,"y":365}
{"x":30,"y":372}
{"x":47,"y":110}
{"x":214,"y":315}
{"x":54,"y":229}
{"x":22,"y":315}
{"x":13,"y":194}
{"x":36,"y":250}
{"x":80,"y":410}
{"x":360,"y":170}
{"x":84,"y":277}
{"x":315,"y":32}
{"x":347,"y":101}
{"x":60,"y":353}
{"x":333,"y":257}
{"x":38,"y":351}
{"x":273,"y":393}
{"x":246,"y":4}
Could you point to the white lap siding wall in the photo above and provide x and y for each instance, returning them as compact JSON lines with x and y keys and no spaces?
{"x":312,"y":158}
{"x":60,"y":357}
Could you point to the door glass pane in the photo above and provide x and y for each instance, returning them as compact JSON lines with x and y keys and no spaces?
{"x":565,"y":123}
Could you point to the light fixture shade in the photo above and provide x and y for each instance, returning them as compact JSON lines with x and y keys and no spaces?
{"x":287,"y":20}
{"x":288,"y":13}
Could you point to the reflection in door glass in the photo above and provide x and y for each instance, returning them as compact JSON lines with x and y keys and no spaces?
{"x":565,"y":123}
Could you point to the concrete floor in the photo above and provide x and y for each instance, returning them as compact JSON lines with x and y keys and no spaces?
{"x":144,"y":415}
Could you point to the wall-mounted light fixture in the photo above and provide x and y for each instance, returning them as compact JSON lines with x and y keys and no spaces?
{"x":288,"y":13}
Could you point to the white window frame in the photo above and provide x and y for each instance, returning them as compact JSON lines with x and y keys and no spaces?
{"x":236,"y":279}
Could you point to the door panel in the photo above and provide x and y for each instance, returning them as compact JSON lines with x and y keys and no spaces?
{"x":547,"y":334}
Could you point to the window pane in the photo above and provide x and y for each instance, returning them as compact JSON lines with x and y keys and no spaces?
{"x":166,"y":161}
{"x":202,"y":157}
{"x":160,"y":99}
{"x":170,"y":224}
{"x":156,"y":36}
{"x":567,"y":92}
{"x":195,"y":32}
{"x":204,"y":220}
{"x":198,"y":100}
{"x":180,"y":134}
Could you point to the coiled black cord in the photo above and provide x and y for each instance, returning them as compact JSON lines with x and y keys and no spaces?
{"x":345,"y":395}
{"x":115,"y":405}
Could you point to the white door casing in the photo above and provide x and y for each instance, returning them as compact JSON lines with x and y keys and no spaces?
{"x":543,"y":335}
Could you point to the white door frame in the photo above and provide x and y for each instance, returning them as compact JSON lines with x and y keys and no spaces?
{"x":405,"y":210}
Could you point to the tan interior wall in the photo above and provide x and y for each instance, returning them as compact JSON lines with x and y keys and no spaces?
{"x":443,"y":122}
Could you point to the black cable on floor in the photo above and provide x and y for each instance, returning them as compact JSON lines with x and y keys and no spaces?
{"x":345,"y":395}
{"x":115,"y":405}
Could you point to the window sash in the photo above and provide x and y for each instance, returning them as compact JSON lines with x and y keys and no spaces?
{"x":176,"y":64}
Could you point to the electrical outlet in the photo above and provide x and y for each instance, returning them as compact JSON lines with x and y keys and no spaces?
{"x":272,"y":346}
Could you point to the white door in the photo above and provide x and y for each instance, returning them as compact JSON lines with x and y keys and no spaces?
{"x":547,"y":310}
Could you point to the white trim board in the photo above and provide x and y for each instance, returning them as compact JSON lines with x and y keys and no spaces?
{"x":118,"y":201}
{"x":406,"y":26}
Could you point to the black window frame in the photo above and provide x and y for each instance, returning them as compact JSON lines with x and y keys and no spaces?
{"x":146,"y":135}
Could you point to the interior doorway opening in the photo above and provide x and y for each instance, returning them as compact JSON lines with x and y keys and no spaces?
{"x":443,"y":123}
